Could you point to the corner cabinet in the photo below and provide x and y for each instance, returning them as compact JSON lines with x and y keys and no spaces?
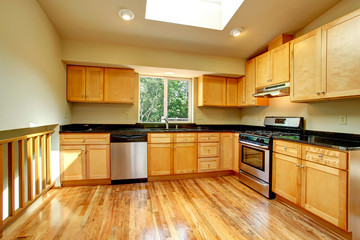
{"x":314,"y":178}
{"x":250,"y":80}
{"x":84,"y":159}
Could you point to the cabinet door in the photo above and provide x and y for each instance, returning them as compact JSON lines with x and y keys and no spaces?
{"x":97,"y":161}
{"x":324,"y":192}
{"x":250,"y":86}
{"x":341,"y":49}
{"x":227,"y":151}
{"x":280,"y":64}
{"x":241,"y":92}
{"x":263,"y":73}
{"x":305,"y":67}
{"x":286,"y":178}
{"x":211,"y":91}
{"x":185,"y":158}
{"x":160,"y":159}
{"x":231,"y":92}
{"x":119,"y":85}
{"x":208,"y":164}
{"x":236,"y":152}
{"x":72,"y":162}
{"x":94,"y":84}
{"x":208,"y":149}
{"x":75,"y":83}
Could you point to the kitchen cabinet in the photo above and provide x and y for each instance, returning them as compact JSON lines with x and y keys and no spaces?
{"x":172,"y":153}
{"x":312,"y":182}
{"x":241,"y":92}
{"x":341,"y":57}
{"x":211,"y":91}
{"x":273,"y":67}
{"x":84,"y":84}
{"x":119,"y":85}
{"x":250,"y":86}
{"x":227,"y":151}
{"x":208,"y":152}
{"x":84,"y":158}
{"x":306,"y":67}
{"x":325,"y":63}
{"x":231,"y":92}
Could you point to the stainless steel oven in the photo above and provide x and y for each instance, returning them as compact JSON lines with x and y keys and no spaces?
{"x":255,"y":167}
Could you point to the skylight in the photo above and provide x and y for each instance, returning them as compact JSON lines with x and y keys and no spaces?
{"x":213,"y":14}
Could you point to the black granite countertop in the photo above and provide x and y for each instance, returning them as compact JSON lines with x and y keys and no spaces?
{"x":346,"y":142}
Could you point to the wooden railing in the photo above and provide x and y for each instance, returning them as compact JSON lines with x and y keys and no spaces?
{"x":37,"y":147}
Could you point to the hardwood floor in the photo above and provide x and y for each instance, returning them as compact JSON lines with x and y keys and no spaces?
{"x":206,"y":208}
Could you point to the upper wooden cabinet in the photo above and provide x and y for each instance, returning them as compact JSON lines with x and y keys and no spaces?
{"x":341,"y":57}
{"x":325,"y":63}
{"x":211,"y":91}
{"x":90,"y":84}
{"x":273,"y":67}
{"x":306,"y":66}
{"x":85,"y":84}
{"x":119,"y":85}
{"x":250,"y":86}
{"x":231,"y":92}
{"x":241,"y":92}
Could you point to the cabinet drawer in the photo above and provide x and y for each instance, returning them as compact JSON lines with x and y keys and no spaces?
{"x":185,"y":137}
{"x":160,"y":137}
{"x":325,"y":156}
{"x":208,"y":149}
{"x":208,"y":137}
{"x":287,"y":148}
{"x":208,"y":164}
{"x":81,"y":138}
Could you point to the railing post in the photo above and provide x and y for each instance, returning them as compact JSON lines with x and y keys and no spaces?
{"x":21,"y":174}
{"x":37,"y":165}
{"x":29,"y":167}
{"x":43,"y":161}
{"x":11,"y":177}
{"x":48,"y":158}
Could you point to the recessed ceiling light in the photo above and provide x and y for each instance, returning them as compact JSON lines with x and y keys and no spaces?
{"x":126,"y":14}
{"x":169,"y":73}
{"x":236,"y":32}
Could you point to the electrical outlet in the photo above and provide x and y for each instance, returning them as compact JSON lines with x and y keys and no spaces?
{"x":126,"y":116}
{"x":343,"y":120}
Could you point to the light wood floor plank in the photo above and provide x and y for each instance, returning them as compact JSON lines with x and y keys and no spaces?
{"x":206,"y":208}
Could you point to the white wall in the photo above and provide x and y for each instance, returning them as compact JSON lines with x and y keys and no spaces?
{"x":32,"y":75}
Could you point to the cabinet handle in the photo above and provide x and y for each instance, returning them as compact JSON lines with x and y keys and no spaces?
{"x":269,"y":80}
{"x":285,"y":148}
{"x":320,"y":156}
{"x":175,"y":147}
{"x":82,"y":96}
{"x":302,"y":166}
{"x":317,"y":92}
{"x":83,"y":150}
{"x":323,"y":92}
{"x":171,"y":148}
{"x":84,"y":139}
{"x":298,"y":165}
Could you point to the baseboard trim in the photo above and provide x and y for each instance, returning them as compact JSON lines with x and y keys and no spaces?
{"x":190,"y":175}
{"x":86,"y":182}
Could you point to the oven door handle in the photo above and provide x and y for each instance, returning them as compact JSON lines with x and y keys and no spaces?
{"x":254,"y":145}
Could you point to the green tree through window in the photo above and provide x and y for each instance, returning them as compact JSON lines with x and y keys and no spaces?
{"x":163,"y":97}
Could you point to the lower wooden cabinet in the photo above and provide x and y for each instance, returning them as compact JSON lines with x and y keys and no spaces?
{"x":167,"y":158}
{"x":84,"y":163}
{"x":227,"y":150}
{"x":320,"y":189}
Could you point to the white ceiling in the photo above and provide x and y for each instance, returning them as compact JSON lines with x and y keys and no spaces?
{"x":263,"y":20}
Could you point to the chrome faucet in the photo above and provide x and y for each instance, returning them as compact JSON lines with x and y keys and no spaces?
{"x":166,"y":119}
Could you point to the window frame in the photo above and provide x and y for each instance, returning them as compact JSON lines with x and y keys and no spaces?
{"x":166,"y":79}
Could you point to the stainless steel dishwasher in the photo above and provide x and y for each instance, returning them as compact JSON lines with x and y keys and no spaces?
{"x":128,"y":158}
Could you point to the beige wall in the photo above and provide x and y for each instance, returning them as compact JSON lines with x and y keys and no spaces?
{"x":320,"y":116}
{"x":114,"y":55}
{"x":32,"y":74}
{"x":342,"y":8}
